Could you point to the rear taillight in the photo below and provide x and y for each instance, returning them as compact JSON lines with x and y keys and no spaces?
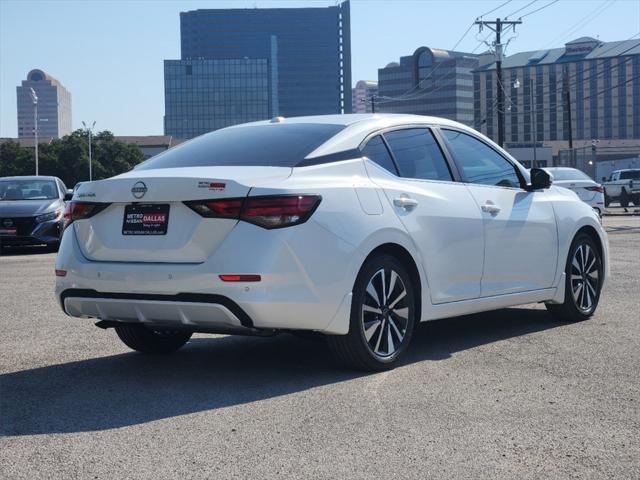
{"x":597,"y":188}
{"x":80,"y":210}
{"x":223,"y":208}
{"x":273,"y":211}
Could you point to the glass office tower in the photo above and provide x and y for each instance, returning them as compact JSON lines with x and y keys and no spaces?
{"x":271,"y":62}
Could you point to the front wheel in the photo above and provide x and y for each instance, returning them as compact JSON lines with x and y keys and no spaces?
{"x":583,"y":281}
{"x":383,"y":314}
{"x":146,"y":340}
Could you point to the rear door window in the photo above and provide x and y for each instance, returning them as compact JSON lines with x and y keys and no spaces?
{"x":377,"y":152}
{"x":417,"y":154}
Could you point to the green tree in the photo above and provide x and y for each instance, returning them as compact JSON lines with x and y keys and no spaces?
{"x":15,"y":160}
{"x":68,"y":157}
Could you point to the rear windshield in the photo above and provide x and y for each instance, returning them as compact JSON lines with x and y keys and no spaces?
{"x":270,"y":145}
{"x":630,"y":175}
{"x":568,"y":174}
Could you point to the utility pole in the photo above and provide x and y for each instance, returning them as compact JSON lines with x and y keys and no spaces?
{"x":498,"y":26}
{"x":533,"y":123}
{"x":90,"y":130}
{"x":567,"y":99}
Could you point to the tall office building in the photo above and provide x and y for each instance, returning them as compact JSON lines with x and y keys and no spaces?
{"x":591,"y":85}
{"x":54,"y":106}
{"x":240,"y":65}
{"x":364,"y":96}
{"x":429,"y":82}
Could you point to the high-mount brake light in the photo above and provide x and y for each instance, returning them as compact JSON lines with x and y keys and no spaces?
{"x":81,"y":210}
{"x":270,"y":211}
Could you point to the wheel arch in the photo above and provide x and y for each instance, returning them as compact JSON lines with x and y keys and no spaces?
{"x":592,"y":232}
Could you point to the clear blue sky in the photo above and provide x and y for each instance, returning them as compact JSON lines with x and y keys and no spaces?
{"x":109,"y":53}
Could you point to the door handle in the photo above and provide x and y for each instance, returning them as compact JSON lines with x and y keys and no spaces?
{"x":404,"y":201}
{"x":490,"y":208}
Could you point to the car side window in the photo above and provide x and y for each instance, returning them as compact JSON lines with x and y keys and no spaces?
{"x":417,"y":154}
{"x":479,"y":163}
{"x":377,"y":152}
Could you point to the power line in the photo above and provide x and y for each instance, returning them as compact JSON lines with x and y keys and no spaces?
{"x":538,"y":9}
{"x":463,"y":35}
{"x":520,"y":9}
{"x":583,"y":21}
{"x":586,"y":78}
{"x":494,"y":9}
{"x":554,"y":107}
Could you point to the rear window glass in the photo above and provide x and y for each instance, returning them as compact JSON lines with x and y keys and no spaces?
{"x":630,"y":175}
{"x":270,"y":145}
{"x":568,"y":174}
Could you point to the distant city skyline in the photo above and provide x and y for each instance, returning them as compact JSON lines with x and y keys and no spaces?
{"x":114,"y":67}
{"x":244,"y":65}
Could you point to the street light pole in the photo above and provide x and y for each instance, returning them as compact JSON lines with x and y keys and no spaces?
{"x":34,"y":98}
{"x":533,"y":123}
{"x":90,"y":130}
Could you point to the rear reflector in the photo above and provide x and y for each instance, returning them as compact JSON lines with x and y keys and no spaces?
{"x":61,"y":273}
{"x":597,"y":188}
{"x":272,"y":211}
{"x":239,"y":278}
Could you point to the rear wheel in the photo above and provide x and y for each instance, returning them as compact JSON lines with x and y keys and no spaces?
{"x":382,"y":317}
{"x":624,"y":199}
{"x":146,"y":340}
{"x":583,"y":281}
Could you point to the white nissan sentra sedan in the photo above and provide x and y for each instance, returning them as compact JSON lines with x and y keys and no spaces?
{"x":354,"y":226}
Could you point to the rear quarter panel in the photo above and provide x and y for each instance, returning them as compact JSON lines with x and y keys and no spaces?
{"x":355,"y":212}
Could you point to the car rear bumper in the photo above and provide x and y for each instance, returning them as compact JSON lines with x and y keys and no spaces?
{"x":306,"y":278}
{"x":197,"y":312}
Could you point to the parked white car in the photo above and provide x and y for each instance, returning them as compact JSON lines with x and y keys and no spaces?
{"x":589,"y":191}
{"x":355,"y":226}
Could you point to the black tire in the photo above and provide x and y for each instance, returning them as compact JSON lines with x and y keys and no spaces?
{"x":636,"y":200}
{"x":584,"y":275}
{"x":370,"y":349}
{"x":624,"y":199}
{"x":145,"y":340}
{"x":607,"y":200}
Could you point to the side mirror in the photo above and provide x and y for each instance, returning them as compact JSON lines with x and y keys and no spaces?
{"x":540,"y":179}
{"x":68,"y":196}
{"x":604,"y":179}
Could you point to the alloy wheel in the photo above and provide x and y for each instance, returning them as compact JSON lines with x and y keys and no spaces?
{"x":385,"y":313}
{"x":585,"y":277}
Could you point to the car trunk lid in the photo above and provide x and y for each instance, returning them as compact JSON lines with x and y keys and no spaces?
{"x":147,"y":220}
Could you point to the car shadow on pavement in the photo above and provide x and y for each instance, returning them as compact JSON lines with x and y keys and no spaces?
{"x":26,"y":250}
{"x":211,"y":373}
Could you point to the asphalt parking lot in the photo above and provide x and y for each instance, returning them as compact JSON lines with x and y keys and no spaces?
{"x":506,"y":394}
